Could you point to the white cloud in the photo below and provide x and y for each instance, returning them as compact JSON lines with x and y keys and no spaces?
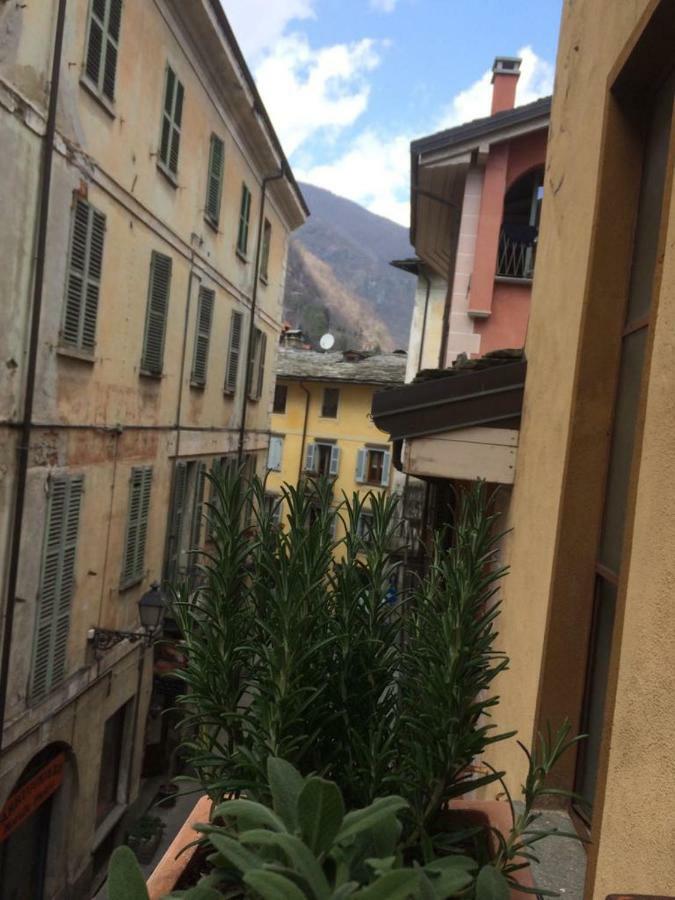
{"x":536,"y":80}
{"x":309,"y":91}
{"x":258,"y":24}
{"x":374,"y":172}
{"x":386,"y":6}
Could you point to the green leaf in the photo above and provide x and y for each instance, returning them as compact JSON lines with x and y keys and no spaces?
{"x":253,"y":813}
{"x":450,"y":874}
{"x":202,"y":892}
{"x":298,"y":855}
{"x":272,"y":886}
{"x":125,"y":879}
{"x":286,"y":783}
{"x":491,"y":885}
{"x":241,"y":858}
{"x":396,"y":885}
{"x":361,"y":820}
{"x":345,"y":890}
{"x":320,"y":814}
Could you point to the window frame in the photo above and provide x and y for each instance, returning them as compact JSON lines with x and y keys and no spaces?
{"x":175,"y":129}
{"x":206,"y":301}
{"x":326,"y":409}
{"x":275,"y":410}
{"x":96,"y":220}
{"x":265,"y":251}
{"x":213,"y":218}
{"x":145,"y":370}
{"x":97,"y":87}
{"x":140,"y":479}
{"x":244,"y":222}
{"x":233,"y":363}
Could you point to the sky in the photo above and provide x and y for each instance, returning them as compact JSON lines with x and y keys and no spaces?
{"x":349,"y":83}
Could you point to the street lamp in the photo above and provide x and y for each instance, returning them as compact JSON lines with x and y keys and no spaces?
{"x":151,"y":610}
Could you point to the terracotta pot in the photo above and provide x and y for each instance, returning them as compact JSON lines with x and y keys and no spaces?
{"x":171,"y":866}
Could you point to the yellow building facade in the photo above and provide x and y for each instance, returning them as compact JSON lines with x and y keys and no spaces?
{"x":321,"y":422}
{"x":157,"y":247}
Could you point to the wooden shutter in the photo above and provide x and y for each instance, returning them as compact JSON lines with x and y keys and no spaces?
{"x":274,"y":454}
{"x":262,"y":353}
{"x":133,"y":563}
{"x":310,"y":458}
{"x":172,"y":117}
{"x":234,"y":352}
{"x":202,"y":335}
{"x":244,"y":219}
{"x":156,"y":316}
{"x":57,"y":580}
{"x":386,"y":466}
{"x":197,"y":514}
{"x":265,"y":254}
{"x":214,"y":182}
{"x":176,"y":516}
{"x":334,"y":460}
{"x":83,"y":280}
{"x":361,"y":458}
{"x":100,"y":66}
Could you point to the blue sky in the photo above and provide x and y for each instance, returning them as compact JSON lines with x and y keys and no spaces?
{"x":349,"y":83}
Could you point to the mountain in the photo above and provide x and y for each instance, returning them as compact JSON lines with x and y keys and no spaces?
{"x":339,"y":278}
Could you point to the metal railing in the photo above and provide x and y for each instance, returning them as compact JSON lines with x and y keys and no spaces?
{"x":516,"y":257}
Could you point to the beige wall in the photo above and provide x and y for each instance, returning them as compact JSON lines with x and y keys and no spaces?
{"x":591,"y":174}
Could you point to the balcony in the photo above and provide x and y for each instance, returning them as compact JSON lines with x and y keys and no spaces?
{"x":517,"y":252}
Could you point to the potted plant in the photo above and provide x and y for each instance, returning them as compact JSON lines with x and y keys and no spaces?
{"x":166,"y":795}
{"x":145,"y":836}
{"x":293,"y":653}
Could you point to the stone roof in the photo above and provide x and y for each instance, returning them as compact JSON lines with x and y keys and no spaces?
{"x":356,"y":367}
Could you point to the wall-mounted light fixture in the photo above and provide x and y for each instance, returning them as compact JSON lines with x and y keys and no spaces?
{"x":151,"y":610}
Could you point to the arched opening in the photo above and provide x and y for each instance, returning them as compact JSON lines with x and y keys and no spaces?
{"x":26,"y":819}
{"x":520,"y":226}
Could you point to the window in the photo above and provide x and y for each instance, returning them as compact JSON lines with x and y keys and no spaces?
{"x":156,"y":314}
{"x":219,"y":467}
{"x":234,"y":352}
{"x":197,"y":518}
{"x":133,"y":563}
{"x":275,"y":453}
{"x":256,"y":370}
{"x":265,"y":252}
{"x":214,"y":181}
{"x":329,"y":407}
{"x":172,"y":116}
{"x":244,"y":219}
{"x":185,"y":519}
{"x":520,"y":226}
{"x":83,"y":279}
{"x":364,"y":526}
{"x":57,"y":581}
{"x":280,"y":397}
{"x":322,"y":458}
{"x":111,"y":764}
{"x":273,"y":508}
{"x":100,"y":67}
{"x":372,"y":466}
{"x":202,"y":336}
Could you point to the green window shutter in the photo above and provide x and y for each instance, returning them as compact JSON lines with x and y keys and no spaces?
{"x":202,"y":335}
{"x":265,"y":252}
{"x":176,"y":516}
{"x":156,"y":315}
{"x":197,"y":515}
{"x":234,"y":352}
{"x":172,"y":118}
{"x":57,"y":581}
{"x":105,"y":20}
{"x":244,"y":220}
{"x":262,"y":353}
{"x":83,"y":278}
{"x":133,"y":564}
{"x":252,"y":370}
{"x":214,"y":184}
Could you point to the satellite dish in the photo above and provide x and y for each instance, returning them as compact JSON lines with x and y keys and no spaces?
{"x":327,"y":341}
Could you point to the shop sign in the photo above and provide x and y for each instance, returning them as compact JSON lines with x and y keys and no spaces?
{"x":30,"y":796}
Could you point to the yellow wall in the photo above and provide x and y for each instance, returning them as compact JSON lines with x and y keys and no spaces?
{"x":566,"y":418}
{"x":352,"y":429}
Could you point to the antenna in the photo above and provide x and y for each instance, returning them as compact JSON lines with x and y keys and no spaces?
{"x":327,"y":341}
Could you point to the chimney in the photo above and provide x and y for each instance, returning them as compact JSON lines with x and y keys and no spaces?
{"x":505,"y":74}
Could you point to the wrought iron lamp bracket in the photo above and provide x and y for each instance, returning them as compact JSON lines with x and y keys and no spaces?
{"x":105,"y":639}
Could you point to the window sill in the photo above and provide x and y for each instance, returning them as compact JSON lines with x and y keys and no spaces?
{"x":132,"y":582}
{"x":198,"y":385}
{"x":212,"y":223}
{"x":241,"y":256}
{"x":510,"y":279}
{"x":154,"y":376}
{"x":97,"y":97}
{"x":263,"y":279}
{"x":229,"y":395}
{"x":167,"y":173}
{"x":75,"y":353}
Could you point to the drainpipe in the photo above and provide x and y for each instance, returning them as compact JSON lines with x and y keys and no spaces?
{"x":31,"y":360}
{"x":254,"y":299}
{"x":304,"y":432}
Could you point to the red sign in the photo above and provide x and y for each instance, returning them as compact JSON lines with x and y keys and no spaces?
{"x":30,"y":796}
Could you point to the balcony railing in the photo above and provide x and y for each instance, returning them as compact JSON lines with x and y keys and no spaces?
{"x":517,"y":251}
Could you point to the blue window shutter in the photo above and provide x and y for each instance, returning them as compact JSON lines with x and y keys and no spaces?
{"x":310,"y":458}
{"x":334,"y":460}
{"x":361,"y":465}
{"x":386,"y":466}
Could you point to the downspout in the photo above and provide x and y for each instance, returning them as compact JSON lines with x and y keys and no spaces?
{"x":31,"y":362}
{"x":304,"y":432}
{"x":254,"y":300}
